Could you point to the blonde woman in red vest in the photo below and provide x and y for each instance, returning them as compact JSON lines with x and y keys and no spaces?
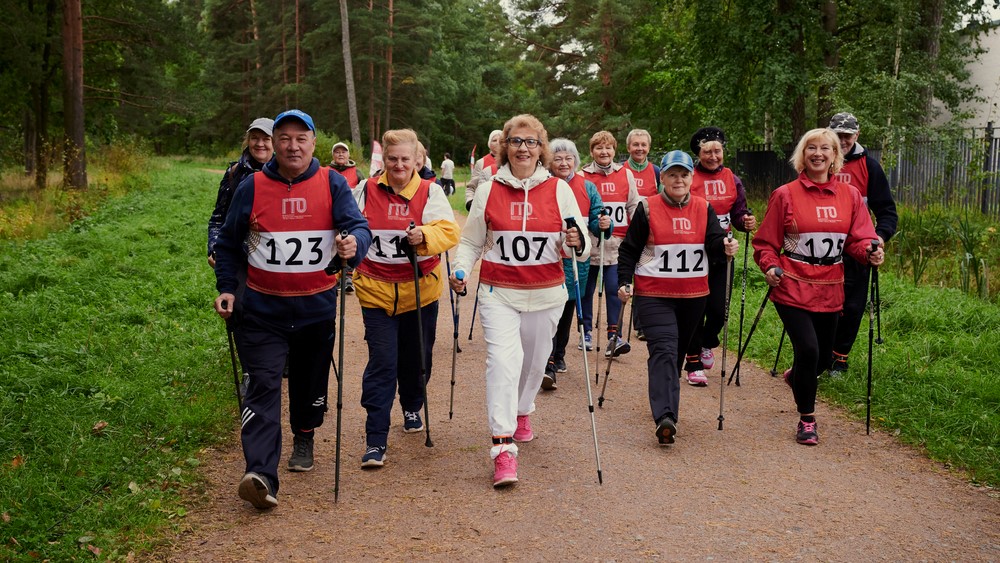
{"x":517,"y":224}
{"x":724,"y":190}
{"x":616,"y":185}
{"x":484,"y":168}
{"x":810,"y":224}
{"x":384,"y":286}
{"x":667,"y":250}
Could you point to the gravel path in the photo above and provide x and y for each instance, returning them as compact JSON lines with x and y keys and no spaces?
{"x":747,"y":492}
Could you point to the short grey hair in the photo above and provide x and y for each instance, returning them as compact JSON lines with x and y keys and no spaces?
{"x":563,"y":144}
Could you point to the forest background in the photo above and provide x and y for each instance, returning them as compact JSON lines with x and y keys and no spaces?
{"x":187,"y":76}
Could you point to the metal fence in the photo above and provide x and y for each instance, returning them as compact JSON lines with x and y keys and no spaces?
{"x":962,"y":172}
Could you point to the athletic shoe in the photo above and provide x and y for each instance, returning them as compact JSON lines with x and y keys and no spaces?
{"x":561,"y":366}
{"x":349,"y":285}
{"x":412,"y":422}
{"x":788,"y":378}
{"x":302,"y":454}
{"x":640,"y":334}
{"x":697,"y":378}
{"x":707,"y":358}
{"x":839,"y":365}
{"x":805,"y":433}
{"x":256,"y":489}
{"x":588,"y":341}
{"x":504,"y":470}
{"x":523,"y":432}
{"x":549,"y":379}
{"x":665,"y":430}
{"x":616,"y":347}
{"x":374,"y":457}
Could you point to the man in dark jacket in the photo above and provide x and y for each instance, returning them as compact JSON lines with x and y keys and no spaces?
{"x":289,"y":216}
{"x":862,"y":171}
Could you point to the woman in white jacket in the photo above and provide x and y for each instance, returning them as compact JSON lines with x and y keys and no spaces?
{"x":517,"y":224}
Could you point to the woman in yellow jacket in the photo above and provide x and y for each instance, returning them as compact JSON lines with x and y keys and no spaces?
{"x":384,"y":286}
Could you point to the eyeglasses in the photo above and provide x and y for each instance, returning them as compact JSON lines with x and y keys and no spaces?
{"x":518,"y":141}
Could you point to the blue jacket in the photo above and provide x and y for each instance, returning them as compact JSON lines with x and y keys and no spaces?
{"x":235,"y":173}
{"x":230,"y":256}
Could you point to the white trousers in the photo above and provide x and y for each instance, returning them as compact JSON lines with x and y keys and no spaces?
{"x":518,"y":345}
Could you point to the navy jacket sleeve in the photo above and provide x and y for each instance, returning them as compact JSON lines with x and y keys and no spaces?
{"x":222,"y":202}
{"x":740,"y":209}
{"x":880,"y":200}
{"x":715,"y":235}
{"x":229,"y":254}
{"x":633,"y":244}
{"x":347,"y":217}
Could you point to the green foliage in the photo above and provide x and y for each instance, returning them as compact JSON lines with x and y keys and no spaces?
{"x":112,"y":373}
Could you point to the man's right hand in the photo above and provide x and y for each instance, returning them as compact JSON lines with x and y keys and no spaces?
{"x":224,"y":304}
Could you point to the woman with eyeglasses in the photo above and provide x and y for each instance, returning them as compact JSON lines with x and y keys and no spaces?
{"x":565,"y":160}
{"x":517,"y":224}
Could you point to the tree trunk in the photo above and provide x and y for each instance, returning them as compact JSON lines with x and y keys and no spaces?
{"x":931,"y":16}
{"x":259,"y":81}
{"x":372,"y":130}
{"x":30,"y":142}
{"x":298,"y":53}
{"x":352,"y":102}
{"x":74,"y":157}
{"x":604,"y":58}
{"x":284,"y":56}
{"x":831,"y":60}
{"x":388,"y":72}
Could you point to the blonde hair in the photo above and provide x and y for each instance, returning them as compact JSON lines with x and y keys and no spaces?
{"x":638,"y":133}
{"x":402,"y":137}
{"x":798,"y":159}
{"x":526,"y":121}
{"x":603,"y":138}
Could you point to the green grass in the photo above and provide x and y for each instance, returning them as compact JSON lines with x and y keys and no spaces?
{"x":935,"y":382}
{"x":109,"y":322}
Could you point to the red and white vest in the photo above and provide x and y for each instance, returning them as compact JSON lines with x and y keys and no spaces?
{"x":524,"y":252}
{"x":645,"y":181}
{"x":579,"y":185}
{"x":614,"y":193}
{"x":719,"y":189}
{"x":351,"y":175}
{"x":291,"y":236}
{"x":490,"y":163}
{"x":855,"y":173}
{"x":820,"y":224}
{"x":389,"y":215}
{"x":679,"y":264}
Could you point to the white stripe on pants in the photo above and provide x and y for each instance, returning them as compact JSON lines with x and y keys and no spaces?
{"x":518,"y":345}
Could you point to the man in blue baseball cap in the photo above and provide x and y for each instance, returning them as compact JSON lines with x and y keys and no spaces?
{"x":667,"y":250}
{"x":298,"y":209}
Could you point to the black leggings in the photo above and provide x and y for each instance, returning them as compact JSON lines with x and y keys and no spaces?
{"x":811,"y":335}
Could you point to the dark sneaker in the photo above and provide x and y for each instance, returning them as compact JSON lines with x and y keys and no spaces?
{"x":412,"y":422}
{"x":256,"y":489}
{"x":665,"y":430}
{"x":621,"y":347}
{"x":805,"y":433}
{"x":549,"y":379}
{"x":839,"y":365}
{"x":302,"y":454}
{"x":349,"y":285}
{"x":640,"y":334}
{"x":374,"y":457}
{"x":561,"y":366}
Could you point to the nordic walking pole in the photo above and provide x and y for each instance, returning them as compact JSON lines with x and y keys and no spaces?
{"x":338,"y":369}
{"x":781,"y":342}
{"x":743,"y":293}
{"x":460,"y":275}
{"x":411,"y":253}
{"x":607,"y":370}
{"x":232,"y":356}
{"x":878,"y":306}
{"x":872,"y":298}
{"x":570,"y":224}
{"x":475,"y":305}
{"x":778,"y":272}
{"x":725,"y":333}
{"x":600,"y":300}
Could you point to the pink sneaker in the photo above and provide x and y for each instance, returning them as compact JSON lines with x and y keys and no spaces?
{"x":523,"y":432}
{"x":707,"y":358}
{"x":697,"y":378}
{"x":504,"y":470}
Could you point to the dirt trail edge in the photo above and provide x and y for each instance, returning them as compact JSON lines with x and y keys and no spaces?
{"x":747,"y":492}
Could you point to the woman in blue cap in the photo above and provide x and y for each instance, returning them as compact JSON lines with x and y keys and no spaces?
{"x":667,"y":249}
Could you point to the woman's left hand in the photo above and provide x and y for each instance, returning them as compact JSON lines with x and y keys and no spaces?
{"x":749,"y":222}
{"x":731,"y":246}
{"x":572,"y":237}
{"x":876,"y":258}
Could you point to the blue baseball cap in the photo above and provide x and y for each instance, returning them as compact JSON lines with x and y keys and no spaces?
{"x":295,"y":114}
{"x":677,"y":158}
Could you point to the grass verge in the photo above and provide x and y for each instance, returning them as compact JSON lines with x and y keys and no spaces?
{"x":112,"y":373}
